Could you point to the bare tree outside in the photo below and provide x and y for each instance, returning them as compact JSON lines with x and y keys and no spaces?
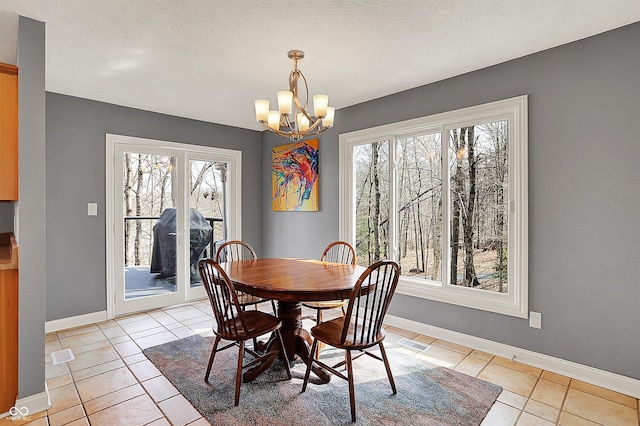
{"x":372,"y":201}
{"x":150,"y":188}
{"x":477,"y":161}
{"x":479,"y":181}
{"x":206,"y":193}
{"x":419,"y":205}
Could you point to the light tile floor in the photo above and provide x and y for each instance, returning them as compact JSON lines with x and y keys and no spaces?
{"x":112,"y":383}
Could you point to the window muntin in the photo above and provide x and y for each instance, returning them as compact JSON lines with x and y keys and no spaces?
{"x":497,"y":235}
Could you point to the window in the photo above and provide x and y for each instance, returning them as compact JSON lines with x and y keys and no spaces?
{"x":446,"y":197}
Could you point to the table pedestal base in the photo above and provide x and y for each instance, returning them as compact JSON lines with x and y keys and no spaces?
{"x":297,"y":342}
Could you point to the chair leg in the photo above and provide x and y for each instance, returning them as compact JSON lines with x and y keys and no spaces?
{"x":283,"y":354}
{"x":309,"y":364}
{"x":386,"y":365}
{"x":255,"y":339}
{"x":213,"y":354}
{"x":273,"y":306}
{"x":318,"y":321}
{"x":352,"y":393}
{"x":239,"y":372}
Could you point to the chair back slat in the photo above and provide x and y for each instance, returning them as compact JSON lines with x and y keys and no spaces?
{"x":369,"y":301}
{"x":339,"y":252}
{"x":227,"y":311}
{"x":235,"y":250}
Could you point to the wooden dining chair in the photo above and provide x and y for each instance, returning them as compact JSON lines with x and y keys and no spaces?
{"x":235,"y":324}
{"x":239,"y":250}
{"x":336,"y":252}
{"x":361,"y":327}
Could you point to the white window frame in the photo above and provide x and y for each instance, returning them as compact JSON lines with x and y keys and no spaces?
{"x":515,"y":302}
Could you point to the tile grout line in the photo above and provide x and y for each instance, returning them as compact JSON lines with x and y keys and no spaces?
{"x":163,"y":327}
{"x":121,"y":358}
{"x":156,"y":403}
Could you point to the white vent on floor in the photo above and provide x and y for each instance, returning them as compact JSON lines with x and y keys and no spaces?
{"x":64,"y":355}
{"x":413,"y":345}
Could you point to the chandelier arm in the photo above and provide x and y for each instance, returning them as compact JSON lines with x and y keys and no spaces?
{"x":293,"y":86}
{"x":295,"y":135}
{"x":318,"y":131}
{"x":278,"y":131}
{"x":303,"y":110}
{"x":287,"y":121}
{"x":322,"y":130}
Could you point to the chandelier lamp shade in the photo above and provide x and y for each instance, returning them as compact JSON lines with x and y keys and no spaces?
{"x":292,"y":119}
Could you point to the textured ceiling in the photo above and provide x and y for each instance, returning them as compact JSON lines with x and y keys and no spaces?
{"x":209,"y":59}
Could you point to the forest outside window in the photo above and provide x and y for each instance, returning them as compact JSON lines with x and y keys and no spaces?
{"x":446,"y":197}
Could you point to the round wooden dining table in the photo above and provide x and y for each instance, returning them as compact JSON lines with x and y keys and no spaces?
{"x":291,"y":282}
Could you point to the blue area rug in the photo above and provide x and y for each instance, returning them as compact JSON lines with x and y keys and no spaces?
{"x":427,"y":394}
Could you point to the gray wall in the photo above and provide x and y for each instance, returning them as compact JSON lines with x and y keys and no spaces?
{"x":75,"y":155}
{"x":584,"y":105}
{"x":31,"y":207}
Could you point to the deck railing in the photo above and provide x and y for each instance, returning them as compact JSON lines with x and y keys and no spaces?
{"x":147,"y":235}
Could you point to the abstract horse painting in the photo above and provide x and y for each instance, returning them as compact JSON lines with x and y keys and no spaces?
{"x":294,"y":176}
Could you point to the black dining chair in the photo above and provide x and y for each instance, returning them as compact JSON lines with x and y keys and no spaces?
{"x":361,"y":327}
{"x":235,"y":324}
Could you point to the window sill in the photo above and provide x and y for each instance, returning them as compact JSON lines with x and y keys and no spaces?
{"x":468,"y":297}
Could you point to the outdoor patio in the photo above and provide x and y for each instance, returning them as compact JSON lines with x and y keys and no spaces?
{"x":139,"y":282}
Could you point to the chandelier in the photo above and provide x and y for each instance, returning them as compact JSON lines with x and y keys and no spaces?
{"x":292,"y":120}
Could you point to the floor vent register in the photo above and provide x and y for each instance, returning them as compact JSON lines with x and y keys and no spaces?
{"x":414,"y":345}
{"x":62,"y":356}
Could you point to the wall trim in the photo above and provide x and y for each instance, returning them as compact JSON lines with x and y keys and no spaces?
{"x":77,"y":321}
{"x":34,"y":403}
{"x":594,"y":376}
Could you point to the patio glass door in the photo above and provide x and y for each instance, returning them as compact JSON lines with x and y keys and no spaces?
{"x":207,"y":196}
{"x":152,"y":269}
{"x":170,"y":207}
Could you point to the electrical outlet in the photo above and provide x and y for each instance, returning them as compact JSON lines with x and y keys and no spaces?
{"x":92,"y":209}
{"x":535,"y":320}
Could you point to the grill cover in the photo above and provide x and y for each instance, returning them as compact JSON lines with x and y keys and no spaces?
{"x":163,"y":255}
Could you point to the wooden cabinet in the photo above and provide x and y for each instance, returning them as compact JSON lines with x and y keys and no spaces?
{"x":8,"y":339}
{"x":8,"y":322}
{"x":8,"y":132}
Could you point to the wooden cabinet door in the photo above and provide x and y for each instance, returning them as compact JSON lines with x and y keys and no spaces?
{"x":8,"y":339}
{"x":8,"y":133}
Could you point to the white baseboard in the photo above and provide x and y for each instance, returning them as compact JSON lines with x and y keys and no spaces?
{"x":77,"y":321}
{"x":594,"y":376}
{"x":30,"y":405}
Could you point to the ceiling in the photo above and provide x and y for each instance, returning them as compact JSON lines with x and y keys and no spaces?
{"x":210,"y":59}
